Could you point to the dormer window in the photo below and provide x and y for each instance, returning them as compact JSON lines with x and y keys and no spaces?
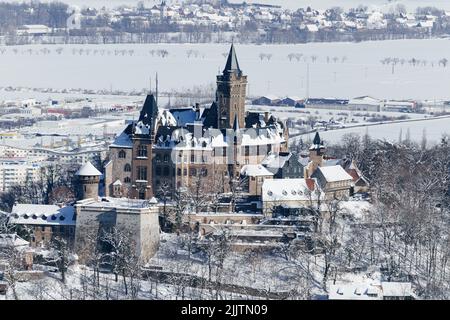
{"x":122,"y":154}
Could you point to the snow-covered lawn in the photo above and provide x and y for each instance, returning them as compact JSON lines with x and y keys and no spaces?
{"x":360,"y":74}
{"x":434,"y":130}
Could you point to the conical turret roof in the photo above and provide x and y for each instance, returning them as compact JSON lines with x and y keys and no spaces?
{"x":88,"y":169}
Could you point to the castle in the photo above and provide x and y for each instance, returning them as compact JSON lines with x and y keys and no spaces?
{"x":173,"y":148}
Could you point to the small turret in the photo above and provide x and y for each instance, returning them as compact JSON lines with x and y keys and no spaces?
{"x":316,"y":153}
{"x":88,"y":181}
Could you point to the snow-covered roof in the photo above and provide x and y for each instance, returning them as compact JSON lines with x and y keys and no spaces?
{"x":122,"y":141}
{"x":271,"y":97}
{"x":252,"y":170}
{"x":184,"y":116}
{"x":123,"y":203}
{"x":396,"y":289}
{"x":39,"y":214}
{"x":334,"y":174}
{"x":365,"y":100}
{"x":117,"y":183}
{"x":276,"y":160}
{"x":12,"y":240}
{"x":88,"y":169}
{"x":288,"y":189}
{"x":351,"y":291}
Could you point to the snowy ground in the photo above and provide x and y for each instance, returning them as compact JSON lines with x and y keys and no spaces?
{"x":361,"y":72}
{"x":434,"y":130}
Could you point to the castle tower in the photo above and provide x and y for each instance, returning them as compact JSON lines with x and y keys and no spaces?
{"x":231,"y":92}
{"x":142,"y":138}
{"x":88,"y":181}
{"x":316,"y":153}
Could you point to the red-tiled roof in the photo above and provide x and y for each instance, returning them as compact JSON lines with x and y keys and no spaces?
{"x":310,"y":183}
{"x":354,"y":174}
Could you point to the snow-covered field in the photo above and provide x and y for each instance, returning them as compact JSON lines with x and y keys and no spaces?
{"x":434,"y":129}
{"x":361,"y":72}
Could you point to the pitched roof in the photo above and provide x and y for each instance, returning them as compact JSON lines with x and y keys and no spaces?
{"x":210,"y":116}
{"x":276,"y":160}
{"x":149,"y":111}
{"x":88,"y":170}
{"x":232,"y":64}
{"x":40,"y":214}
{"x":252,"y":170}
{"x":396,"y":289}
{"x":12,"y":240}
{"x":334,"y":174}
{"x":289,"y":190}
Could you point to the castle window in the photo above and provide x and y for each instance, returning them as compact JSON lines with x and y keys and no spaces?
{"x":247,"y":151}
{"x":166,"y":171}
{"x":142,"y":151}
{"x":166,"y":158}
{"x":192,"y":158}
{"x":157,"y":158}
{"x":158,"y":171}
{"x":127,"y":180}
{"x":193,"y":172}
{"x":142,"y":195}
{"x":127,"y":168}
{"x":122,"y":154}
{"x":142,"y":173}
{"x":178,"y":172}
{"x":204,"y":172}
{"x":204,"y":144}
{"x":224,"y":151}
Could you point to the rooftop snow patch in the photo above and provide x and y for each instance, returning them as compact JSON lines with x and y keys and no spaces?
{"x":39,"y":214}
{"x":288,"y":189}
{"x":334,"y":174}
{"x":252,"y":170}
{"x":88,"y":169}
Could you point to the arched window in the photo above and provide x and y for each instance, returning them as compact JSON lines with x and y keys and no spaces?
{"x":127,"y":168}
{"x":122,"y":154}
{"x":127,"y":180}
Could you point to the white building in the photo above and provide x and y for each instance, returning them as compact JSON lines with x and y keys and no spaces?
{"x":15,"y":171}
{"x":33,"y":29}
{"x":364,"y":103}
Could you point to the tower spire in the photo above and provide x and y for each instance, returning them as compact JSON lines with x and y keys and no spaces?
{"x":232,"y":64}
